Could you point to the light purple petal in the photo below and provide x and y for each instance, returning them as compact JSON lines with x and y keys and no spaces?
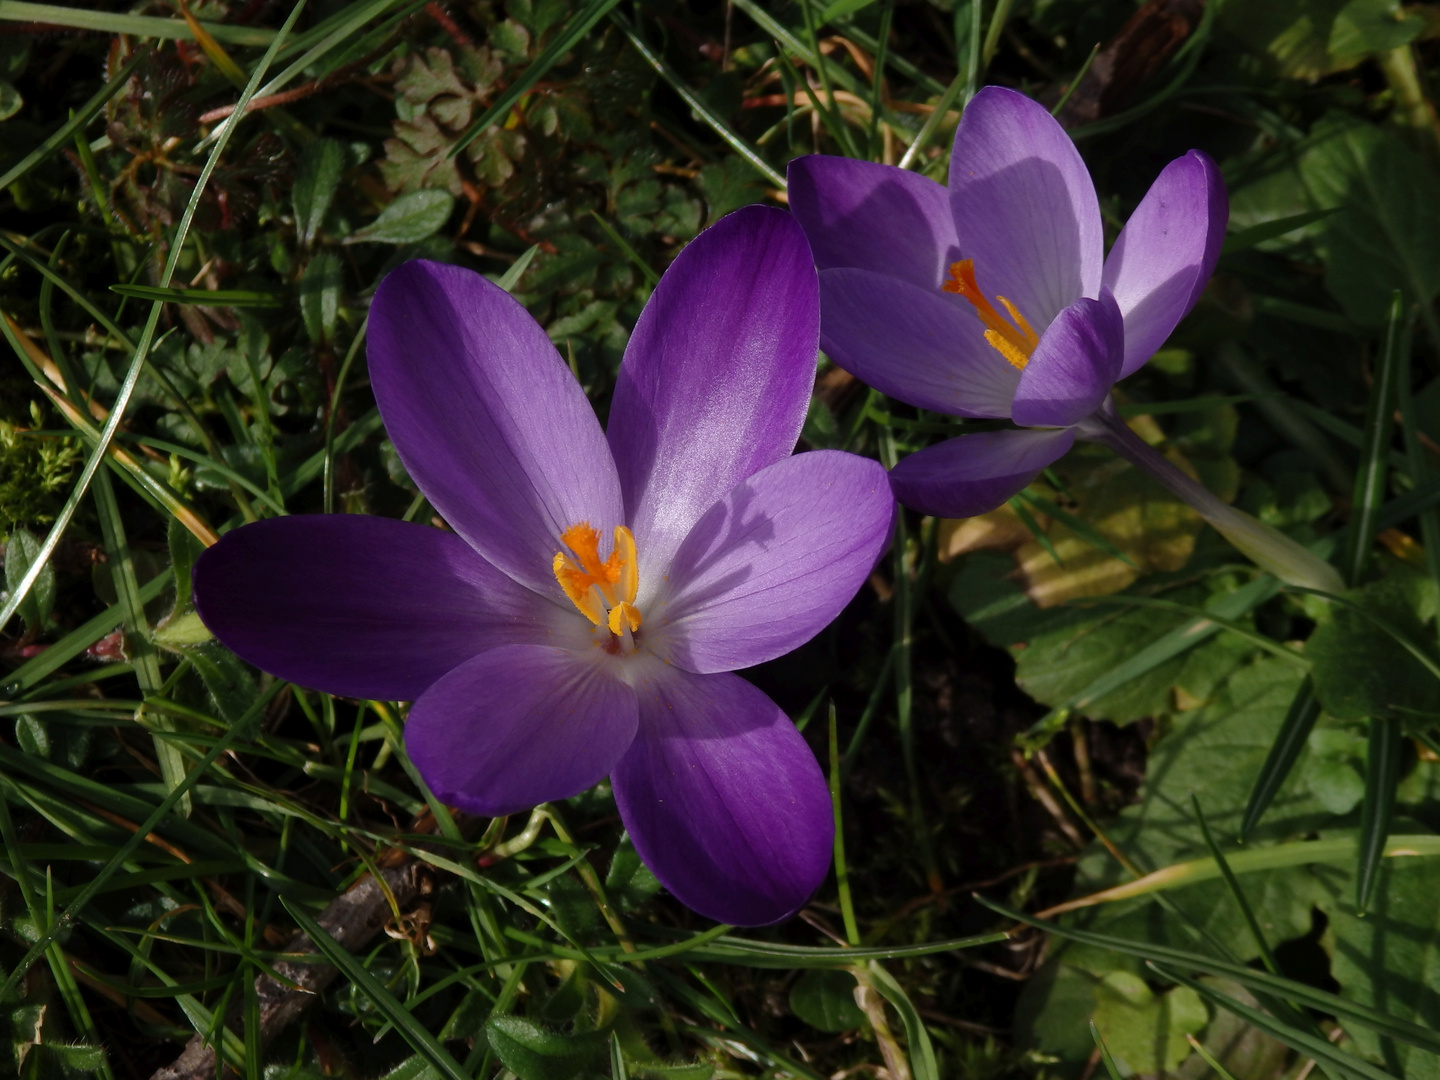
{"x":487,"y":418}
{"x":773,"y":562}
{"x":918,"y":346}
{"x":361,"y":606}
{"x":723,"y":799}
{"x":1073,"y":367}
{"x":874,"y":217}
{"x":1024,"y":205}
{"x":520,"y":725}
{"x":717,"y":376}
{"x":1166,"y":253}
{"x":974,"y":474}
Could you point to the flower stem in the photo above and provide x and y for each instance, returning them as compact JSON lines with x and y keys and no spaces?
{"x":1267,"y":547}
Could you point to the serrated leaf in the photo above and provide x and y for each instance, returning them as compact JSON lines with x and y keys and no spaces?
{"x":408,"y":220}
{"x":316,"y":179}
{"x":533,"y":1053}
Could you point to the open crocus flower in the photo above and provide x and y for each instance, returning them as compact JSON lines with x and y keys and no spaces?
{"x":993,"y":298}
{"x":586,"y":614}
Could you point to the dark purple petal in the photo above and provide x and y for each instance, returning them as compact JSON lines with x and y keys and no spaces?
{"x":717,"y":376}
{"x":1073,"y":367}
{"x":723,"y":799}
{"x":361,"y":606}
{"x":874,"y":217}
{"x":919,"y":346}
{"x":1166,"y":253}
{"x":520,"y":725}
{"x":974,"y":474}
{"x":487,"y":418}
{"x":1024,"y":206}
{"x":773,"y":562}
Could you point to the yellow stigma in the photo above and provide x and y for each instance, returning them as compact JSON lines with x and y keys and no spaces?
{"x":604,"y":592}
{"x":1014,"y":340}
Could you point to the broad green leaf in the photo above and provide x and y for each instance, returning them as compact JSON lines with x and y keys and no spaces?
{"x":1387,"y":233}
{"x":1363,"y":27}
{"x":1390,"y":960}
{"x":533,"y":1053}
{"x":1359,"y":670}
{"x":1147,"y":1031}
{"x":825,"y":999}
{"x":407,"y":220}
{"x":316,"y":179}
{"x":1293,"y":34}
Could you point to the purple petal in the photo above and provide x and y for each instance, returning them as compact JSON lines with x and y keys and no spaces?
{"x":1024,"y":206}
{"x":974,"y":474}
{"x":1073,"y":367}
{"x":362,"y":606}
{"x":520,"y":725}
{"x":717,"y":376}
{"x":773,"y":562}
{"x":1166,"y":253}
{"x":487,"y":418}
{"x":918,"y":346}
{"x":723,"y":799}
{"x":874,"y":217}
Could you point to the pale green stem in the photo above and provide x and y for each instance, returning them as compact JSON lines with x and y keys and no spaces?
{"x":1267,"y":547}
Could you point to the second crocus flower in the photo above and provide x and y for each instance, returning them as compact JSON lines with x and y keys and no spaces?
{"x":993,"y":298}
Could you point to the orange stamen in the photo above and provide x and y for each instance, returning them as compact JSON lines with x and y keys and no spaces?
{"x":603,"y":591}
{"x":1013,"y":339}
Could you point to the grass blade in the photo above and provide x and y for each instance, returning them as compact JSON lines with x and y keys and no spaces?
{"x":1284,"y":752}
{"x":1110,"y":1067}
{"x":410,"y":1029}
{"x":85,"y":18}
{"x":1375,"y":447}
{"x":1382,"y":774}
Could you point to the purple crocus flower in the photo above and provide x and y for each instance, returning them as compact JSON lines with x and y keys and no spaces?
{"x":993,"y":298}
{"x":599,"y":588}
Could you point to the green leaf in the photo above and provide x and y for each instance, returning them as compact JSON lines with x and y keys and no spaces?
{"x":1359,"y":670}
{"x":20,"y":553}
{"x":1363,"y":27}
{"x":316,"y":179}
{"x":408,"y":220}
{"x":533,"y":1053}
{"x":320,"y":296}
{"x":842,"y":8}
{"x":1387,"y":236}
{"x":1147,"y":1031}
{"x":1389,"y":960}
{"x":226,"y":678}
{"x":184,"y":550}
{"x":825,"y":999}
